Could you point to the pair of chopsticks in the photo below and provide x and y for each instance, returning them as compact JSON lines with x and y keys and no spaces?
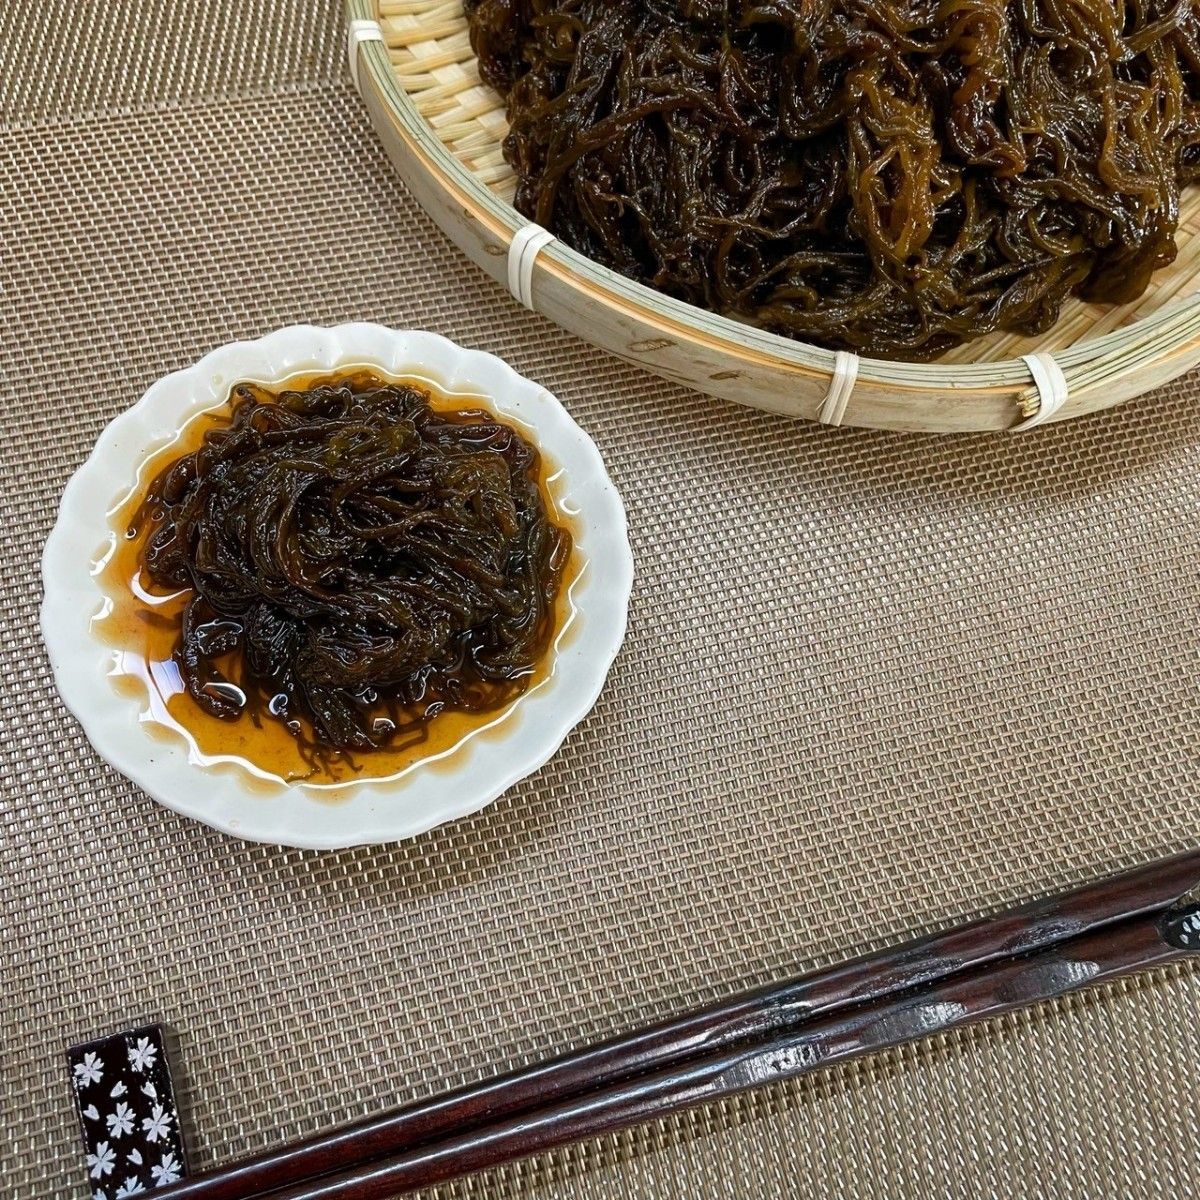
{"x":1140,"y":919}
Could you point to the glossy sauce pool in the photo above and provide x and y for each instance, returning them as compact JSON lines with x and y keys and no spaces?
{"x":141,"y":622}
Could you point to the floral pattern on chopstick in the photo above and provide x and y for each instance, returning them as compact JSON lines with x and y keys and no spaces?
{"x":127,"y":1113}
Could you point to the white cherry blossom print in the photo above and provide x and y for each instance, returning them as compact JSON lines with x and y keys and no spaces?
{"x":120,"y":1122}
{"x":122,"y":1093}
{"x":90,"y":1070}
{"x":142,"y":1056}
{"x":157,"y":1124}
{"x":101,"y":1163}
{"x":166,"y":1171}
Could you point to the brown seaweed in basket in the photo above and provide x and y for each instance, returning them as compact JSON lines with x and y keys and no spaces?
{"x":359,"y":562}
{"x":891,"y":178}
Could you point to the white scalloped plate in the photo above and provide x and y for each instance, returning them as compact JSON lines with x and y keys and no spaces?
{"x":461,"y":781}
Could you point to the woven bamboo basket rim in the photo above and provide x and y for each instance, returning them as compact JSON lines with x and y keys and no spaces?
{"x":442,"y":128}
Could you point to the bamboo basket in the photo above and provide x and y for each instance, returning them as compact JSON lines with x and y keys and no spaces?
{"x":443,"y":129}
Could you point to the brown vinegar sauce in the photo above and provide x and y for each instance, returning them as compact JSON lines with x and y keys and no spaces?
{"x":141,"y":622}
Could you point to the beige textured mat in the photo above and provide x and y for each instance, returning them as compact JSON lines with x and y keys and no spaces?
{"x":872,"y":684}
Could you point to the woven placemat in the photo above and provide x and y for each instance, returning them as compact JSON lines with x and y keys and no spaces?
{"x":872,"y":684}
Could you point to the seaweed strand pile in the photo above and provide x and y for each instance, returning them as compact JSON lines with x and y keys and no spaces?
{"x":892,"y":177}
{"x":358,"y":563}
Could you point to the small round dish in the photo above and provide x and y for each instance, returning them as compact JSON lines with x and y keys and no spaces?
{"x":474,"y":772}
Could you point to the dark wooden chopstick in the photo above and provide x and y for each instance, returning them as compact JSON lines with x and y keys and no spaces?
{"x":744,"y":1025}
{"x":982,"y":993}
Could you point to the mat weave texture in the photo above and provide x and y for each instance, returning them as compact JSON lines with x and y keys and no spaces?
{"x":873,"y":684}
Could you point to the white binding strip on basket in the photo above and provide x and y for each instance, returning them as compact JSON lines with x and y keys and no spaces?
{"x":845,"y":372}
{"x":359,"y":32}
{"x":1052,"y":387}
{"x":526,"y":245}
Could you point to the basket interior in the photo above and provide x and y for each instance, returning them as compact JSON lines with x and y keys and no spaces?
{"x":432,"y":59}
